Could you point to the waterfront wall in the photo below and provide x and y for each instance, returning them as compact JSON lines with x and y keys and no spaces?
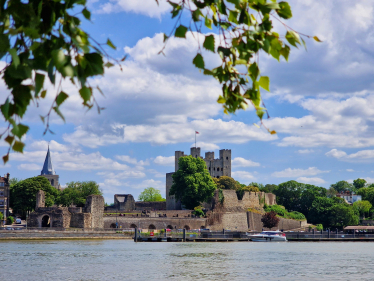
{"x":156,"y":223}
{"x":255,"y":224}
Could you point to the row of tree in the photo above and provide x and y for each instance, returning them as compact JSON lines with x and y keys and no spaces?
{"x":23,"y":194}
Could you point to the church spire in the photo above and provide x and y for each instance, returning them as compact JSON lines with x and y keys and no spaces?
{"x":47,"y":167}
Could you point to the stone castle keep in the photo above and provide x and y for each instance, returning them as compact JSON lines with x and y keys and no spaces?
{"x":217,"y":168}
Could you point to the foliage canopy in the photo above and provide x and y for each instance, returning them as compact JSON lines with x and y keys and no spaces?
{"x":76,"y":193}
{"x":150,"y":194}
{"x":270,"y":219}
{"x":43,"y":40}
{"x":23,"y":194}
{"x":192,"y":183}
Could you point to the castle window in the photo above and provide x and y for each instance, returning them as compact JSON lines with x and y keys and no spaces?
{"x":227,"y":158}
{"x":217,"y":177}
{"x":221,"y":169}
{"x":214,"y":169}
{"x":53,"y":182}
{"x":209,"y":168}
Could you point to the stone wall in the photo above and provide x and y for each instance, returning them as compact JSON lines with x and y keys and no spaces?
{"x":230,"y":221}
{"x":80,"y":220}
{"x":95,"y":206}
{"x":40,"y":199}
{"x":58,"y":217}
{"x":255,"y":224}
{"x":151,"y":206}
{"x":158,"y":223}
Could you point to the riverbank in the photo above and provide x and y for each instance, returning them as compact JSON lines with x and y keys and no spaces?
{"x":61,"y":235}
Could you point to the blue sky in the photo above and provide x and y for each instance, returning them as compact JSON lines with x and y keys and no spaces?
{"x":321,"y":104}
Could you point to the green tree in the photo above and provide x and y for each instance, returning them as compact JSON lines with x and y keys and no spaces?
{"x":359,"y":183}
{"x":192,"y":182}
{"x":150,"y":194}
{"x":342,"y":215}
{"x":23,"y":194}
{"x":225,"y":182}
{"x":256,"y":184}
{"x":13,"y":181}
{"x":342,"y":186}
{"x":289,"y":194}
{"x":1,"y":218}
{"x":331,"y":192}
{"x":367,"y":193}
{"x":43,"y":40}
{"x":363,"y":207}
{"x":268,"y":188}
{"x":76,"y":193}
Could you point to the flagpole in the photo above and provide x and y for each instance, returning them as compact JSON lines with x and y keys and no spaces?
{"x":195,"y":139}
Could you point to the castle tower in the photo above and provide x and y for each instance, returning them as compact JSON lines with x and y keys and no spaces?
{"x":217,"y":168}
{"x":48,"y":171}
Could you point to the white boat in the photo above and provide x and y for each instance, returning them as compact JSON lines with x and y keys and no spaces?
{"x":268,"y":236}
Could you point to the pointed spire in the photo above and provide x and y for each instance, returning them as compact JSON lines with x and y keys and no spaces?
{"x":47,"y":167}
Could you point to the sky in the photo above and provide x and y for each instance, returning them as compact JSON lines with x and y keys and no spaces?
{"x":321,"y":104}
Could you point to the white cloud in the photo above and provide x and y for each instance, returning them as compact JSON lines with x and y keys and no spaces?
{"x":151,"y":183}
{"x":29,"y":167}
{"x":305,"y":151}
{"x":144,"y":7}
{"x":359,"y":156}
{"x":293,"y":173}
{"x":350,"y":170}
{"x":165,"y":161}
{"x":310,"y":180}
{"x":242,"y":176}
{"x":336,"y":153}
{"x":241,"y":162}
{"x":128,"y":159}
{"x":206,"y":146}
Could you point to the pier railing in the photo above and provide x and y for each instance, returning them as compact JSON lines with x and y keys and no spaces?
{"x":329,"y":235}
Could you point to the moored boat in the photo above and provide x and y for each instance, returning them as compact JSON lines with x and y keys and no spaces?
{"x":268,"y":236}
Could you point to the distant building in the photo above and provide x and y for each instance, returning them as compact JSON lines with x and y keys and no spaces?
{"x":217,"y":168}
{"x":49,"y":172}
{"x":4,"y":196}
{"x":349,"y":197}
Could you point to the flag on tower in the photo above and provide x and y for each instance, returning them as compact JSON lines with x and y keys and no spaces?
{"x":196,"y":132}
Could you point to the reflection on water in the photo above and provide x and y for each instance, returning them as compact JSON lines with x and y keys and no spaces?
{"x":126,"y":260}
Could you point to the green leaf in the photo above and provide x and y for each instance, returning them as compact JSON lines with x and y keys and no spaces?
{"x":302,"y":40}
{"x":61,"y":98}
{"x":284,"y":11}
{"x":5,"y":109}
{"x":57,"y":110}
{"x":209,"y":43}
{"x":4,"y":43}
{"x":58,"y":58}
{"x":317,"y":39}
{"x":86,"y":94}
{"x":208,"y":23}
{"x":39,"y":82}
{"x":221,"y":99}
{"x":198,"y":61}
{"x":165,"y":37}
{"x":254,"y":71}
{"x":5,"y":158}
{"x":18,"y":146}
{"x":264,"y":82}
{"x":15,"y":58}
{"x":9,"y":139}
{"x":181,"y":31}
{"x":86,"y":13}
{"x":19,"y":130}
{"x":109,"y":64}
{"x":285,"y":52}
{"x":43,"y":94}
{"x":260,"y":114}
{"x":110,"y":44}
{"x":293,"y":38}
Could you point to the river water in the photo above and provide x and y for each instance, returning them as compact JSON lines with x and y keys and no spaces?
{"x":126,"y":260}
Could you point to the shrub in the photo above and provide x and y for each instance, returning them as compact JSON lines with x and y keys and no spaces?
{"x":319,"y":227}
{"x":253,"y":211}
{"x":198,"y":211}
{"x":9,"y":220}
{"x":280,"y":210}
{"x":296,"y":216}
{"x":270,"y":219}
